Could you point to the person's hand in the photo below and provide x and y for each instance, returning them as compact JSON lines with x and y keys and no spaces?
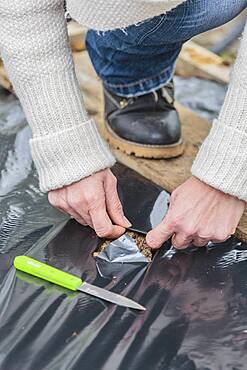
{"x":93,"y":201}
{"x":198,"y":213}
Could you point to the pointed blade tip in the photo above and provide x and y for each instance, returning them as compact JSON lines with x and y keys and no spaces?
{"x":137,"y":306}
{"x":142,"y":308}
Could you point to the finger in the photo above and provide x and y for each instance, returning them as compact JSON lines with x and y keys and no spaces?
{"x":80,"y":218}
{"x":161,"y":233}
{"x":180,"y":241}
{"x":103,"y":225}
{"x":113,"y":204}
{"x":81,"y":222}
{"x":199,"y":242}
{"x":83,"y":219}
{"x":54,"y":200}
{"x":75,"y":209}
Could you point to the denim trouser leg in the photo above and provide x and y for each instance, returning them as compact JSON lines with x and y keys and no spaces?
{"x":141,"y":58}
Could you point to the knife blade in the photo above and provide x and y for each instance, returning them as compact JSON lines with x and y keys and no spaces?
{"x":72,"y":282}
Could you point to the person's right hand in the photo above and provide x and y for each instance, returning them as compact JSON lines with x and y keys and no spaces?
{"x":93,"y":201}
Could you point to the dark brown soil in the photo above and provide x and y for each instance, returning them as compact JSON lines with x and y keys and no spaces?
{"x":140,"y":242}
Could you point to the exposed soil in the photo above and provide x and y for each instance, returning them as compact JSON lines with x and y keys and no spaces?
{"x":140,"y":242}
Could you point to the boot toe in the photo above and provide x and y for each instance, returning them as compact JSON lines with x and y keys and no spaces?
{"x":152,"y":128}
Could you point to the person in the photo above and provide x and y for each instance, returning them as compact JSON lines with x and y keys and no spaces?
{"x":134,"y":46}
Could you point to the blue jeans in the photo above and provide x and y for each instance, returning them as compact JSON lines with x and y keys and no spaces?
{"x":141,"y":58}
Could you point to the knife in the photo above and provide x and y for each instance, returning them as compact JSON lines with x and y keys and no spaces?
{"x":72,"y":282}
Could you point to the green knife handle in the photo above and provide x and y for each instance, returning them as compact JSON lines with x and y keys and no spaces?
{"x":46,"y":272}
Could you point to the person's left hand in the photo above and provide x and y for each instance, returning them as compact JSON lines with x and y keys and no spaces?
{"x":198,"y":213}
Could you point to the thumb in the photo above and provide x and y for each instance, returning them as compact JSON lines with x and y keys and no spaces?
{"x":114,"y":206}
{"x":161,"y":233}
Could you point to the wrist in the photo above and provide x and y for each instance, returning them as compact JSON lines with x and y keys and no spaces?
{"x":68,"y":156}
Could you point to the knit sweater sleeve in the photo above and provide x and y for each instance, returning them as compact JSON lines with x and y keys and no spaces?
{"x":222,"y":159}
{"x":66,"y":145}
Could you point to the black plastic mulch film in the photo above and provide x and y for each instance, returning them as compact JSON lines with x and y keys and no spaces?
{"x":196,"y":317}
{"x":196,"y":302}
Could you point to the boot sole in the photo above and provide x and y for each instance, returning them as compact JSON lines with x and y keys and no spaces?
{"x":143,"y":150}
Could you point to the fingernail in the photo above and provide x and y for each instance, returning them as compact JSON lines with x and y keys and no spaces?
{"x":126,"y":221}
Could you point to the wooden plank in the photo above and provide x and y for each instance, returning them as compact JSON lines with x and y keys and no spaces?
{"x":167,"y":173}
{"x":77,"y":36}
{"x":194,"y":60}
{"x":4,"y":81}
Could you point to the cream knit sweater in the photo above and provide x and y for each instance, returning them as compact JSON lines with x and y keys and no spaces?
{"x":66,"y":145}
{"x":222,"y":159}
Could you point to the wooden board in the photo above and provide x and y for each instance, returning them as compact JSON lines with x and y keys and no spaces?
{"x":4,"y":81}
{"x":194,"y":60}
{"x":167,"y":173}
{"x":77,"y":36}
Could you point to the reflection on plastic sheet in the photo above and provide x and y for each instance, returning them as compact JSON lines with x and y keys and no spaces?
{"x":123,"y":250}
{"x":193,"y":308}
{"x":145,"y":204}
